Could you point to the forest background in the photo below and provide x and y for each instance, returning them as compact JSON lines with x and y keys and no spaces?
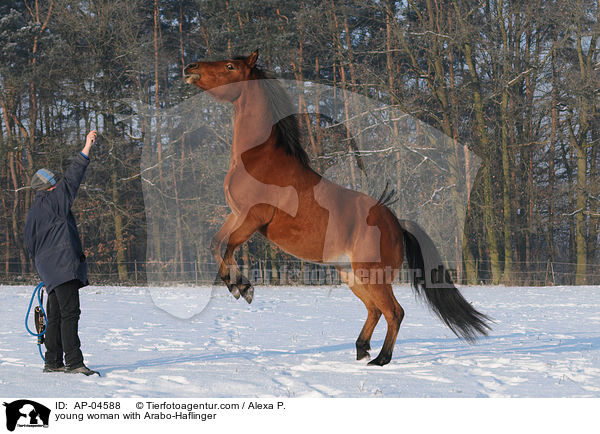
{"x":515,"y":82}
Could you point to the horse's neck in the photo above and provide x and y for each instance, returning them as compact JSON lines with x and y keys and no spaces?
{"x":253,"y":122}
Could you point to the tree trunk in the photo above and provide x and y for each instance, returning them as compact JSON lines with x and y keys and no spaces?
{"x":488,"y":208}
{"x":506,"y":193}
{"x":121,"y":255}
{"x":580,"y":221}
{"x":551,"y":157}
{"x":157,"y":218}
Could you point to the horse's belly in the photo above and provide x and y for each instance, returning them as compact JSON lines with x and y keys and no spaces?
{"x":332,"y":225}
{"x":297,"y":235}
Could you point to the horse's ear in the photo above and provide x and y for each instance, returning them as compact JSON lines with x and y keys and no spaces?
{"x":251,"y":60}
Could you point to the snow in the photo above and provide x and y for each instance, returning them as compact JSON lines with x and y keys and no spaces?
{"x":299,"y":342}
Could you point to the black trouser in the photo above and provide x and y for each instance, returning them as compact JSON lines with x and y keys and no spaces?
{"x":62,"y":336}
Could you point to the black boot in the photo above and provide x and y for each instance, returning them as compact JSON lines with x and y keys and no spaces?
{"x":50,"y":368}
{"x":81,"y":369}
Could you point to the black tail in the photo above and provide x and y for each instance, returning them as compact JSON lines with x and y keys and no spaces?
{"x":432,"y":281}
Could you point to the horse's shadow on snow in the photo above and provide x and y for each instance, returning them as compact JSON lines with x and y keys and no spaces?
{"x":248,"y":355}
{"x":520,"y":344}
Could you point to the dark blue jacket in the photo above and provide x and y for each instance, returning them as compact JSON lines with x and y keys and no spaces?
{"x":51,"y":233}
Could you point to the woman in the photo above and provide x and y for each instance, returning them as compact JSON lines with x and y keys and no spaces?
{"x":54,"y":244}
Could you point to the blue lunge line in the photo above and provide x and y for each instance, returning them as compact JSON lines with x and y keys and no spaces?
{"x":37,"y":291}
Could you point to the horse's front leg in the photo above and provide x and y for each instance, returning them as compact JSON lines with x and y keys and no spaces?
{"x":217,"y":247}
{"x":235,"y":231}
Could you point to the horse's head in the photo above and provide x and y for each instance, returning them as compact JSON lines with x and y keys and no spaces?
{"x":222,"y":78}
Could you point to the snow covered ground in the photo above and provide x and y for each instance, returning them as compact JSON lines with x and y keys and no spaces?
{"x":299,"y":342}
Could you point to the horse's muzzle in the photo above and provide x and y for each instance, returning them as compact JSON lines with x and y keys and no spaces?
{"x":191,"y":78}
{"x":189,"y":66}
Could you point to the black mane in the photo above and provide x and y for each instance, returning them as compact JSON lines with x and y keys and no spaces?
{"x":287,"y":129}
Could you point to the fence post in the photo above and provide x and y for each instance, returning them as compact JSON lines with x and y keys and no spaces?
{"x":135,"y":267}
{"x":196,"y":271}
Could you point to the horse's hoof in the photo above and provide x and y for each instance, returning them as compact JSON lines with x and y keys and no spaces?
{"x":362,"y":349}
{"x":234,"y":291}
{"x":379,"y":361}
{"x":247,"y":292}
{"x":362,"y":354}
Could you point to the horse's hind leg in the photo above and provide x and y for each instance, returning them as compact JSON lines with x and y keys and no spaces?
{"x":363,"y":343}
{"x":383,"y":297}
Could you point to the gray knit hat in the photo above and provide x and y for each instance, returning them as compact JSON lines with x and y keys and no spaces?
{"x":43,"y":180}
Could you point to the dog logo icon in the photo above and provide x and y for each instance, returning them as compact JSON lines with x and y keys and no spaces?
{"x":26,"y":413}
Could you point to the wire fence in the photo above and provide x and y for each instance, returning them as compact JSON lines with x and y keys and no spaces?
{"x":297,"y":272}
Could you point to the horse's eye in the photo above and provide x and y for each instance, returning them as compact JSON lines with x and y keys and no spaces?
{"x":230,"y":67}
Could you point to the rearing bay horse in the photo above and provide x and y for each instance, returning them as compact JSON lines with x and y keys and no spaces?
{"x":271,"y":189}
